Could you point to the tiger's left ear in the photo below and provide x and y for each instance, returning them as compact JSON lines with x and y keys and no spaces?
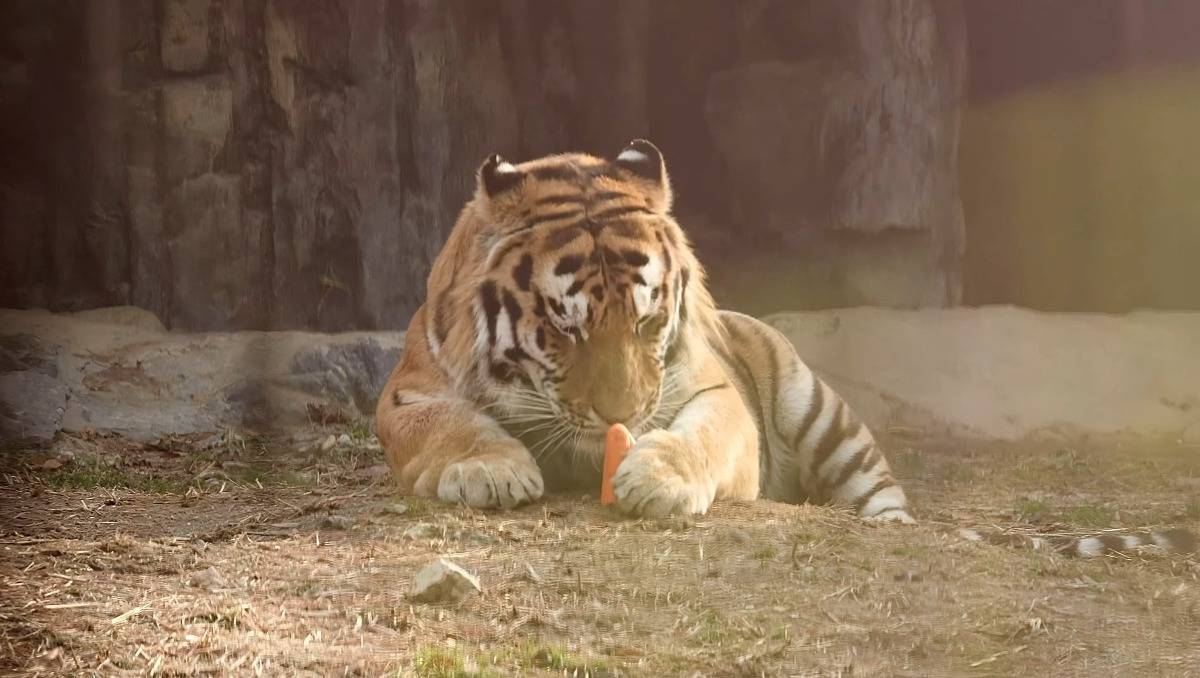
{"x":497,"y":176}
{"x":644,"y":161}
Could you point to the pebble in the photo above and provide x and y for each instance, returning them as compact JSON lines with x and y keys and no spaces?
{"x":343,"y":439}
{"x":335,"y":522}
{"x":207,"y":578}
{"x":422,"y":531}
{"x":397,"y":509}
{"x":442,"y":581}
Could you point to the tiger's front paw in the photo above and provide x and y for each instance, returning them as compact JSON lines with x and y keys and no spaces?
{"x":650,"y":482}
{"x":491,"y":481}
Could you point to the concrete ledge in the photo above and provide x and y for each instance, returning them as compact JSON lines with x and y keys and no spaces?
{"x":1005,"y":373}
{"x":997,"y":373}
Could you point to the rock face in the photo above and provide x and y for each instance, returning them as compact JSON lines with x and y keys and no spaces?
{"x":260,"y":164}
{"x":850,"y":137}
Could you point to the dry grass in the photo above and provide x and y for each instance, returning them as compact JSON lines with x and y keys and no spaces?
{"x":239,"y":571}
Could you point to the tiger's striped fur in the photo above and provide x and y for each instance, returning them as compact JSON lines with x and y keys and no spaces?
{"x":1172,"y":541}
{"x":568,"y":298}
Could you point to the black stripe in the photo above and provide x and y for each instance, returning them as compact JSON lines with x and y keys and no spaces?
{"x":829,"y":441}
{"x":561,"y":236}
{"x":491,"y":308}
{"x":695,"y":395}
{"x":1112,"y":542}
{"x":560,"y":199}
{"x":855,"y":463}
{"x":773,"y":404}
{"x":568,"y":264}
{"x":523,"y":272}
{"x":502,"y":372}
{"x":627,"y":229}
{"x":816,"y":401}
{"x":620,"y":211}
{"x":635,"y":257}
{"x":743,"y":373}
{"x":514,"y":310}
{"x":552,"y":216}
{"x":609,"y":195}
{"x":606,"y":170}
{"x":1181,"y":540}
{"x":875,"y":489}
{"x":575,"y":288}
{"x":610,"y":258}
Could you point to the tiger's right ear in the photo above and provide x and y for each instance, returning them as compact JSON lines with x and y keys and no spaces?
{"x":497,"y":175}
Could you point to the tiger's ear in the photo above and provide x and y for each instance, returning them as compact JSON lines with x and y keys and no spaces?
{"x":644,"y":161}
{"x":497,"y":176}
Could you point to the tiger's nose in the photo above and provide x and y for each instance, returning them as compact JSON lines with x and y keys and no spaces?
{"x":614,"y":414}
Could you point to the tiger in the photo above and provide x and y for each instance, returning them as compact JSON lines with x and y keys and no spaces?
{"x":567,"y":299}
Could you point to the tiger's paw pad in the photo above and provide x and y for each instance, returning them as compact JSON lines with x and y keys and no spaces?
{"x":491,"y":482}
{"x":646,"y":487}
{"x":891,"y":516}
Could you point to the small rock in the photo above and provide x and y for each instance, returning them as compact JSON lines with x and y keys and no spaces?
{"x":207,"y":579}
{"x":338,"y":522}
{"x":344,"y":440}
{"x":329,"y":443}
{"x":442,"y":582}
{"x":51,"y":465}
{"x":372,"y":472}
{"x":397,"y":509}
{"x":477,"y":538}
{"x":422,"y":531}
{"x":212,"y":478}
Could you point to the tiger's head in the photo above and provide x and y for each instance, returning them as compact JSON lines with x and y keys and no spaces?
{"x":587,"y":300}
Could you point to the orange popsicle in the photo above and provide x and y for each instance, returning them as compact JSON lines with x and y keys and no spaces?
{"x":617,"y":442}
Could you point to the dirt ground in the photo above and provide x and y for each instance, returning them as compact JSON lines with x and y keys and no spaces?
{"x":253,"y":557}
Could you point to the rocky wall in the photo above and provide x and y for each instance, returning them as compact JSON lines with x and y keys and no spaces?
{"x":261,"y":164}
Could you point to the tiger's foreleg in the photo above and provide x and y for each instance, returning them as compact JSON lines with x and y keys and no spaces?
{"x":709,"y":450}
{"x":440,"y":444}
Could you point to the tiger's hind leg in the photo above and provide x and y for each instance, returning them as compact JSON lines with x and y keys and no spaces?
{"x":811,"y":446}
